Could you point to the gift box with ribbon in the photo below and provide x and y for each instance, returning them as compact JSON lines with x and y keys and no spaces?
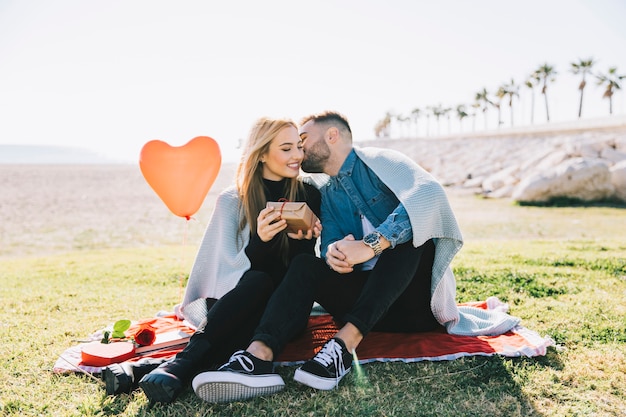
{"x":298,"y":215}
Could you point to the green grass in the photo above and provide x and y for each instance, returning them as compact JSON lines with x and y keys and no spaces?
{"x":571,"y":290}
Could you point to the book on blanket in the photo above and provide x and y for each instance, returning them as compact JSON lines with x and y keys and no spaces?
{"x":173,"y":338}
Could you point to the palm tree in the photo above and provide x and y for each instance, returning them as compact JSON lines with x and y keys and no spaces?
{"x":461,"y":114}
{"x":475,"y":106}
{"x":391,"y":127}
{"x":429,"y":109}
{"x":482,"y":98}
{"x":415,"y":115}
{"x":381,"y":129}
{"x":438,"y":111}
{"x":582,"y":67}
{"x":531,"y":82}
{"x":402,"y":122}
{"x":611,"y":80}
{"x":497,"y":104}
{"x":546,"y":74}
{"x":511,"y":90}
{"x":446,"y":112}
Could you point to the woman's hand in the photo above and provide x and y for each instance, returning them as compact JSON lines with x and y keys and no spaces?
{"x":310,"y":234}
{"x":269,"y":224}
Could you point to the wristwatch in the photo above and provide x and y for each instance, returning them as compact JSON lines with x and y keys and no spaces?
{"x":373,"y":241}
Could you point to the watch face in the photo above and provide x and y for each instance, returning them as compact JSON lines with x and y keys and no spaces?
{"x":371,"y":239}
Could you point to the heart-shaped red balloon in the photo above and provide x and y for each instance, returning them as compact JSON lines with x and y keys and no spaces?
{"x":181,"y":175}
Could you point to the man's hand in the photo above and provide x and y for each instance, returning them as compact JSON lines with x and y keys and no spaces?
{"x":336,"y":260}
{"x":355,"y":251}
{"x":342,"y":255}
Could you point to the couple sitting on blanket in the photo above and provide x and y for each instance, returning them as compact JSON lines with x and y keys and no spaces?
{"x":388,"y":238}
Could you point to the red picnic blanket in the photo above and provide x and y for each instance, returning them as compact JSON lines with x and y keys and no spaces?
{"x":376,"y":346}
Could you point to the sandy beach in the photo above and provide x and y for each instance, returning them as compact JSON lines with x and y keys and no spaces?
{"x":46,"y":209}
{"x":58,"y":208}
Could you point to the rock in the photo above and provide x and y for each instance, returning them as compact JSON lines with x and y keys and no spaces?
{"x":620,"y":143}
{"x":580,"y":163}
{"x":553,"y":159}
{"x":612,"y":155}
{"x":588,"y":151}
{"x":584,"y":146}
{"x":500,"y":179}
{"x":474,"y":182}
{"x":585,"y":179}
{"x":503,"y":192}
{"x":618,"y":179}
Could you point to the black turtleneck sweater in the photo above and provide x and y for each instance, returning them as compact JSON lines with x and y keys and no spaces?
{"x":266,"y":256}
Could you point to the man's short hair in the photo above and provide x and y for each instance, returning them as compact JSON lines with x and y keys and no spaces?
{"x":330,"y":118}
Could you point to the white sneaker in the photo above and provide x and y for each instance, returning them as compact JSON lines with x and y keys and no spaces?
{"x":244,"y":376}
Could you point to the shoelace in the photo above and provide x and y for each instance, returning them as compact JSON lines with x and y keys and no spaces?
{"x":332,"y":352}
{"x":244,"y":361}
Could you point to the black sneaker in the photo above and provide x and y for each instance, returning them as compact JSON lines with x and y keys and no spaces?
{"x":244,"y":376}
{"x":326,"y":368}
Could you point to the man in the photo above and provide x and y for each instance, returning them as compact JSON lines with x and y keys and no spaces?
{"x":387,"y":241}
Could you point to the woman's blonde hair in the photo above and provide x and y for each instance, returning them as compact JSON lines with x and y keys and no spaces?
{"x":249,"y":177}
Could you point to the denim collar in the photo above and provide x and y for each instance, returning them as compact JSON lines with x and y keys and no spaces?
{"x":348,"y":165}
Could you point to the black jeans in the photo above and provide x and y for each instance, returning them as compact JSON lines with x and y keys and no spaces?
{"x":231,"y":320}
{"x":392,"y":297}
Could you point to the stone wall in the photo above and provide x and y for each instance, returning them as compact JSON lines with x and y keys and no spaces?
{"x":582,"y":160}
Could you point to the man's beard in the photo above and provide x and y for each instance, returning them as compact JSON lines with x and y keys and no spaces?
{"x":316,"y":157}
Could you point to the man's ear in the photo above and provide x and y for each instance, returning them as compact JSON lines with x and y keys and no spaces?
{"x":332,"y":134}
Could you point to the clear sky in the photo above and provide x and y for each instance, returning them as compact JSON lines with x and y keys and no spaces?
{"x":111,"y":75}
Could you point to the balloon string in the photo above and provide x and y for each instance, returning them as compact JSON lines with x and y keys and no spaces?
{"x":182,"y":269}
{"x":183,"y":263}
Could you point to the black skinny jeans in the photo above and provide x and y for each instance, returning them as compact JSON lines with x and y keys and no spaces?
{"x":392,"y":297}
{"x":231,"y":320}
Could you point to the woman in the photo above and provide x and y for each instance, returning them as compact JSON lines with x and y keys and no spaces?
{"x":244,"y":255}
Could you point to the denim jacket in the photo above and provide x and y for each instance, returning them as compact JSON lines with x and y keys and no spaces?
{"x":357,"y":191}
